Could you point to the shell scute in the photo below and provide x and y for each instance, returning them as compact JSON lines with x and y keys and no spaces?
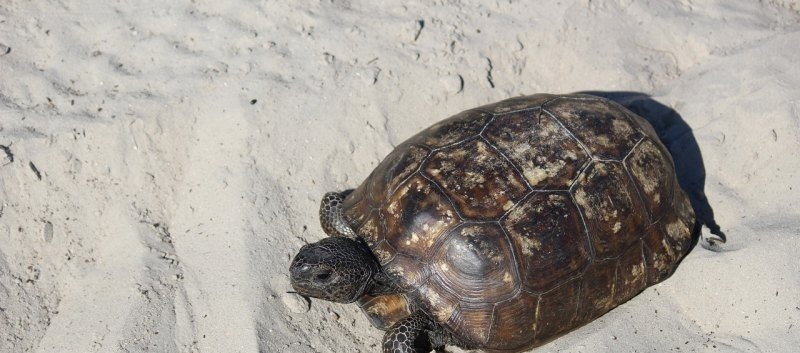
{"x":546,"y":153}
{"x":679,"y":223}
{"x":472,"y":321}
{"x":557,"y":311}
{"x":549,"y":239}
{"x":653,"y":173}
{"x":476,"y":262}
{"x":597,"y":290}
{"x":603,"y":128}
{"x":411,"y":273}
{"x":372,"y":228}
{"x":611,"y":208}
{"x":417,"y":214}
{"x":481,"y":183}
{"x":659,"y":255}
{"x":514,"y":322}
{"x":385,"y":310}
{"x":631,"y":276}
{"x":434,"y":299}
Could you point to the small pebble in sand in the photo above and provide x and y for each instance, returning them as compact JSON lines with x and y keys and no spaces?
{"x":4,"y":49}
{"x":296,"y":303}
{"x":47,"y":231}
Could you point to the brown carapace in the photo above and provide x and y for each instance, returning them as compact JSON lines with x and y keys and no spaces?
{"x":513,"y":223}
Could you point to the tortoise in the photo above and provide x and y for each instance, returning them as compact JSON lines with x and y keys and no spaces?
{"x":503,"y":227}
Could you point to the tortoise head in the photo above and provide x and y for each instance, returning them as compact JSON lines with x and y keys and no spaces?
{"x":338,"y":269}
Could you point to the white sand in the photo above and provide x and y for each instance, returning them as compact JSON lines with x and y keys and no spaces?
{"x":147,"y":205}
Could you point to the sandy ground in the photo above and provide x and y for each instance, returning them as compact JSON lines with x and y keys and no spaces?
{"x":160,"y":162}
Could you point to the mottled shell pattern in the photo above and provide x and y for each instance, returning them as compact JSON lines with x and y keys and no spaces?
{"x":515,"y":222}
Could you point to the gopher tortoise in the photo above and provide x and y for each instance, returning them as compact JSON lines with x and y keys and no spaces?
{"x":503,"y":227}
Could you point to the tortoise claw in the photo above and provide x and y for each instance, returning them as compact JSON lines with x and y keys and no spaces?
{"x":713,"y":241}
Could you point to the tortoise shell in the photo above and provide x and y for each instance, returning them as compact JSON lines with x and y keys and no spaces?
{"x":515,"y":222}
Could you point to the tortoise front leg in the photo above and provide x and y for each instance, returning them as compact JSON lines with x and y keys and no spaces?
{"x":331,"y":216}
{"x":414,"y":334}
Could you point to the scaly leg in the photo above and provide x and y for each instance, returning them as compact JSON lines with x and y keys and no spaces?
{"x":332,"y":218}
{"x":414,"y":334}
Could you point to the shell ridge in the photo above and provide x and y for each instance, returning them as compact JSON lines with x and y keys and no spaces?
{"x":585,"y":166}
{"x":633,"y":148}
{"x":513,"y":165}
{"x":579,"y":300}
{"x":417,"y":171}
{"x":488,"y":122}
{"x":521,"y":200}
{"x":515,"y":270}
{"x":585,"y":227}
{"x":650,"y":218}
{"x":613,"y":293}
{"x":491,"y":323}
{"x":561,"y":124}
{"x":577,"y":276}
{"x":540,"y":106}
{"x":582,"y":97}
{"x":454,"y":144}
{"x":447,"y":197}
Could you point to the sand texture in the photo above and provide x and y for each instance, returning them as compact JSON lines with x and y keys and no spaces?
{"x":162,"y":161}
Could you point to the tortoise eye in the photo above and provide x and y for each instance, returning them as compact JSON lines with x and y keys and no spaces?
{"x":322,"y":277}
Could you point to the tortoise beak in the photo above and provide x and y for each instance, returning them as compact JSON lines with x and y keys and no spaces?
{"x":300,"y":272}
